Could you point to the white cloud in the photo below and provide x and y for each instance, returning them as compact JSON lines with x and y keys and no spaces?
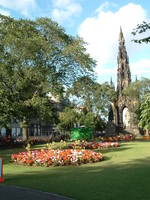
{"x":65,"y":10}
{"x":62,"y":3}
{"x":105,"y":6}
{"x":4,"y":12}
{"x":141,"y":68}
{"x":22,"y":6}
{"x":101,"y":32}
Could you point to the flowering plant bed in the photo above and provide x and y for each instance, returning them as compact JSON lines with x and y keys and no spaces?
{"x":100,"y":145}
{"x":120,"y":138}
{"x":93,"y":145}
{"x":56,"y":157}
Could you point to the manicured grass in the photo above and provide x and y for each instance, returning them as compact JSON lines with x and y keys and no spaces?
{"x":124,"y":174}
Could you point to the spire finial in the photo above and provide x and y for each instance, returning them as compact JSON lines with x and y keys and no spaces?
{"x":120,"y":29}
{"x":111,"y":83}
{"x":136,"y":78}
{"x":121,"y":38}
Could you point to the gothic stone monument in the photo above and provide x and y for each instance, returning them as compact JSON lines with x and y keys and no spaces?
{"x":120,"y":112}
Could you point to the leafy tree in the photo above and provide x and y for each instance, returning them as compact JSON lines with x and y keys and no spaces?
{"x":67,"y":118}
{"x":142,"y":28}
{"x":92,"y":96}
{"x":142,"y":110}
{"x":92,"y":99}
{"x":37,"y":58}
{"x":144,"y":122}
{"x":92,"y":120}
{"x":73,"y":115}
{"x":138,"y":91}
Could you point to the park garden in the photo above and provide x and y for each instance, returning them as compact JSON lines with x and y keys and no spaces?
{"x":39,"y":60}
{"x":81,"y":170}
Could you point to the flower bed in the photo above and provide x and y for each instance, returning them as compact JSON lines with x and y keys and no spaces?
{"x":93,"y":145}
{"x":56,"y":157}
{"x":119,"y":138}
{"x":100,"y":145}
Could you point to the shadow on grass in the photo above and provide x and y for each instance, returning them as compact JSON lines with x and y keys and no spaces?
{"x":95,"y":181}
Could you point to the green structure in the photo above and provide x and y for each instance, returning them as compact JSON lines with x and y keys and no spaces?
{"x":80,"y":133}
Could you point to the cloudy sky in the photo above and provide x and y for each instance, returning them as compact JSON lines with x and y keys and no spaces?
{"x":98,"y":23}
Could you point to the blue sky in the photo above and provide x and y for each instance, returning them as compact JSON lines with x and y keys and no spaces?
{"x":98,"y":23}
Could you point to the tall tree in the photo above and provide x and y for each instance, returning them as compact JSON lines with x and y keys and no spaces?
{"x":37,"y":58}
{"x":67,"y":118}
{"x":144,"y":122}
{"x":92,"y":99}
{"x":139,"y":91}
{"x":71,"y":116}
{"x":143,"y":109}
{"x":92,"y":95}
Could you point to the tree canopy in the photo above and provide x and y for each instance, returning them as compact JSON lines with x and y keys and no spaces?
{"x":140,"y":91}
{"x":144,"y":122}
{"x":93,"y":96}
{"x":37,"y":58}
{"x":144,"y":91}
{"x":71,"y":116}
{"x":90,"y":101}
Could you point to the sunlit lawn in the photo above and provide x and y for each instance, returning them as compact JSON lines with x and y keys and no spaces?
{"x":124,"y":174}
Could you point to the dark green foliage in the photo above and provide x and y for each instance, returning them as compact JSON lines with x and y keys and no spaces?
{"x":91,"y":103}
{"x":144,"y":122}
{"x":143,"y":92}
{"x":141,"y":28}
{"x":37,"y":58}
{"x":67,"y":118}
{"x":92,"y":96}
{"x":139,"y":91}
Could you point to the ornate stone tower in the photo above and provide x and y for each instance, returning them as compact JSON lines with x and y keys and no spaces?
{"x":120,"y":112}
{"x":123,"y":78}
{"x":123,"y":72}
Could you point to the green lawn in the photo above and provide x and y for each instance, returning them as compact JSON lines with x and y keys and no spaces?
{"x":124,"y":174}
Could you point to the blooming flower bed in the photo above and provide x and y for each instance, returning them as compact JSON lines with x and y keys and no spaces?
{"x":56,"y":157}
{"x":93,"y":145}
{"x":100,"y":145}
{"x":120,"y":138}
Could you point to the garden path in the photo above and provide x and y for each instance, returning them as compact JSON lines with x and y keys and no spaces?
{"x":18,"y":193}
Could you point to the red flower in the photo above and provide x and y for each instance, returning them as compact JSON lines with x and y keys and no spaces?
{"x":56,"y":157}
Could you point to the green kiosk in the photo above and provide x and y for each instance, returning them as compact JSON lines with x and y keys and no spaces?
{"x":83,"y":133}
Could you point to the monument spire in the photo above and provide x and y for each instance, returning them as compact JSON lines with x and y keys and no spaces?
{"x":136,"y":79}
{"x":121,"y":38}
{"x":123,"y":72}
{"x":111,"y":83}
{"x":122,"y":106}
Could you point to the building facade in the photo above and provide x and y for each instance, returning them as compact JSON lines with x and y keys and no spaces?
{"x":36,"y":126}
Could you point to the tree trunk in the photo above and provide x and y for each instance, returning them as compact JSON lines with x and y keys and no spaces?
{"x":147,"y":133}
{"x":24,"y":130}
{"x":8,"y":132}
